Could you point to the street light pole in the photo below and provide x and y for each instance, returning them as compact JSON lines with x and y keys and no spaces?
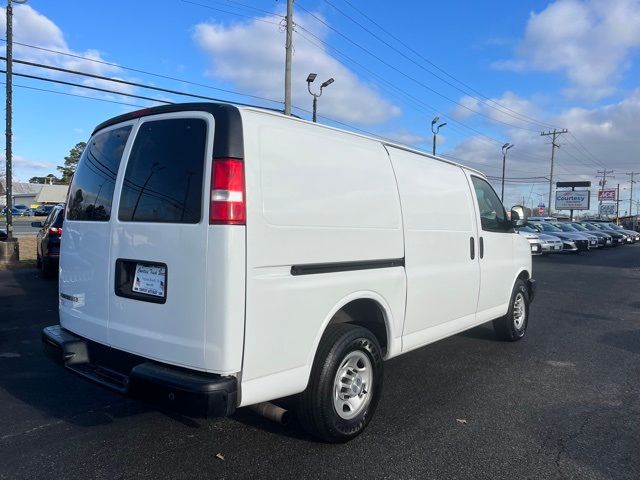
{"x":310,"y":79}
{"x":435,"y":131}
{"x":505,"y":149}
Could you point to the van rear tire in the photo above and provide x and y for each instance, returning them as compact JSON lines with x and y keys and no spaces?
{"x":513,"y":326}
{"x":345,"y":384}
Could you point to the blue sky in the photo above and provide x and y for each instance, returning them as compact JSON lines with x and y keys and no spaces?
{"x":507,"y":70}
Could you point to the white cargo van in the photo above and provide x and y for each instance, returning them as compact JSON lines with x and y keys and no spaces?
{"x":215,"y":257}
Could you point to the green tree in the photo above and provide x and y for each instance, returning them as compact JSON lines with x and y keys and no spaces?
{"x":71,"y":162}
{"x":49,"y":179}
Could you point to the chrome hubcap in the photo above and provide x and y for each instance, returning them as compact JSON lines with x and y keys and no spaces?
{"x":519,"y":311}
{"x":353,"y":385}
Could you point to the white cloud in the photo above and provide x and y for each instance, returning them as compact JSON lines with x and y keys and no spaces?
{"x":508,"y":109}
{"x":465,"y":108}
{"x":610,"y":135}
{"x":32,"y":28}
{"x":589,"y":40}
{"x":25,"y":168}
{"x":405,"y":137}
{"x":251,"y":56}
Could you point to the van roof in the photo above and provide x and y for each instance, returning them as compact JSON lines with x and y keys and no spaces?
{"x":229,"y":123}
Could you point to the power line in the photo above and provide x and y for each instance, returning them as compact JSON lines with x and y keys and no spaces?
{"x":75,"y":95}
{"x":504,"y":110}
{"x":250,"y":7}
{"x":116,"y":80}
{"x":62,"y":82}
{"x":233,"y":13}
{"x":439,"y":68}
{"x":413,"y":101}
{"x":413,"y":79}
{"x":585,"y":149}
{"x":145,"y":72}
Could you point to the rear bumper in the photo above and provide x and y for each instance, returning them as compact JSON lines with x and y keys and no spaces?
{"x":189,"y":392}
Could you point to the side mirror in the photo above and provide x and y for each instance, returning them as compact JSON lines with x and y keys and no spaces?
{"x":518,"y":216}
{"x":36,"y":224}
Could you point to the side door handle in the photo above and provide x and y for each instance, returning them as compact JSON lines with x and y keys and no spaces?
{"x":472,"y":247}
{"x":481,"y":247}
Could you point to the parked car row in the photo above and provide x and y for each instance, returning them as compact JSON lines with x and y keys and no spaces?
{"x":24,"y":211}
{"x":19,"y":211}
{"x":548,"y":235}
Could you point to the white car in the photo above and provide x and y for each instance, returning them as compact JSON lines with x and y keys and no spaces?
{"x":549,"y":243}
{"x":216,"y":257}
{"x":533,"y":239}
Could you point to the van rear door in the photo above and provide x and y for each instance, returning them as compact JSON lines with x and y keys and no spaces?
{"x":159,"y":241}
{"x":84,"y":262}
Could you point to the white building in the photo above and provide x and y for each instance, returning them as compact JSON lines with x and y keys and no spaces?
{"x":33,"y":194}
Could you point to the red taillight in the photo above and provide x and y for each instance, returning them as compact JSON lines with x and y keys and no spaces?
{"x":55,"y":231}
{"x":227,"y":192}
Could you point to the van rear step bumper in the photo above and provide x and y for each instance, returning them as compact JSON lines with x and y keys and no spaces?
{"x":189,"y":392}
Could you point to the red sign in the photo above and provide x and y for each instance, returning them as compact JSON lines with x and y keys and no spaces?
{"x":608,"y":195}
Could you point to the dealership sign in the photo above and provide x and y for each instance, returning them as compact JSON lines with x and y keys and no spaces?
{"x":572,"y":199}
{"x":607,"y":195}
{"x":608,"y":209}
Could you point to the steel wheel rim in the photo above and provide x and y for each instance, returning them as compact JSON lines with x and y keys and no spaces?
{"x":353,"y":385}
{"x":519,"y":311}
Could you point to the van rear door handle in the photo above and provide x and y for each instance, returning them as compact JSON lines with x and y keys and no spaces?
{"x":472,"y":247}
{"x":481,"y":247}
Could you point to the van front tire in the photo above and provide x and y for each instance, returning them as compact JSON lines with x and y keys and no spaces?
{"x":345,"y":384}
{"x":513,"y":326}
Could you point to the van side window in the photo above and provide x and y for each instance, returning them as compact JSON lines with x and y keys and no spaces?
{"x":492,"y":215}
{"x":91,"y":191}
{"x":163,"y":180}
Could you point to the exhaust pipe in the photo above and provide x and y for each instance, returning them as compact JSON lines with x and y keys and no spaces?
{"x":272,"y":412}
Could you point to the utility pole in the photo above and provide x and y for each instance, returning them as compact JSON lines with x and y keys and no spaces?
{"x":618,"y":206}
{"x":554,"y":145}
{"x":8,"y":132}
{"x":603,"y":182}
{"x":632,"y":174}
{"x":287,"y":66}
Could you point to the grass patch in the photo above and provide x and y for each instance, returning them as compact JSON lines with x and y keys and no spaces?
{"x":27,"y":246}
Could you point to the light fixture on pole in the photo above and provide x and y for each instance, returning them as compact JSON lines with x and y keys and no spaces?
{"x":310,"y":79}
{"x":505,"y":149}
{"x":8,"y":130}
{"x":435,"y":131}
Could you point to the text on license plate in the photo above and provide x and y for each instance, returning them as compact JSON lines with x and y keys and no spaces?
{"x":150,"y":279}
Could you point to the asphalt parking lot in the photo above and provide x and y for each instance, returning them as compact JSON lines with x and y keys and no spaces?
{"x":563,"y":403}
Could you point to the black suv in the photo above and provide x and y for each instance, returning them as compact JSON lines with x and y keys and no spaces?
{"x":48,"y":241}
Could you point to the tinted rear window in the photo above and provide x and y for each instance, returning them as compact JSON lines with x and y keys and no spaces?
{"x":163,"y":180}
{"x":91,"y":192}
{"x":58,"y":218}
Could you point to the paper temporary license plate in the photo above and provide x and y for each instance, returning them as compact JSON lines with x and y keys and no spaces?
{"x":150,"y":279}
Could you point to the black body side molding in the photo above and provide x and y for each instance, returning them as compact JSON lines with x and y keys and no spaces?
{"x":315,"y":268}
